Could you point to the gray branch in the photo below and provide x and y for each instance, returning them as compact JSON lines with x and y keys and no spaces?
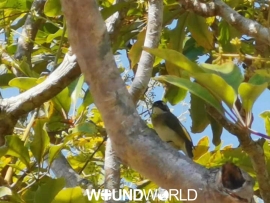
{"x":131,"y":139}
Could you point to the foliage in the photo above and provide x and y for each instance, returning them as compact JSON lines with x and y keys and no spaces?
{"x":70,"y":121}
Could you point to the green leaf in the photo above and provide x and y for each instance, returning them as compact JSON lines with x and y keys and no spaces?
{"x":63,"y":100}
{"x":177,"y":35}
{"x":16,"y":148}
{"x":71,"y":195}
{"x":52,"y":8}
{"x":77,"y":91}
{"x":266,"y":117}
{"x":194,"y":88}
{"x":200,"y":31}
{"x":5,"y":79}
{"x":218,"y":86}
{"x":51,"y":37}
{"x":2,"y":3}
{"x":201,"y":148}
{"x":174,"y":94}
{"x":198,"y":114}
{"x":228,"y":71}
{"x":227,"y":33}
{"x":175,"y":58}
{"x":87,"y":100}
{"x":23,"y":83}
{"x":216,"y":129}
{"x":54,"y":152}
{"x":5,"y":191}
{"x":136,"y":49}
{"x":249,"y":94}
{"x":86,"y":128}
{"x":47,"y":191}
{"x":41,"y":140}
{"x":107,"y":12}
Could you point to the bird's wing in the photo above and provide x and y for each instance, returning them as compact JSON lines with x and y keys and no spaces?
{"x":173,"y":123}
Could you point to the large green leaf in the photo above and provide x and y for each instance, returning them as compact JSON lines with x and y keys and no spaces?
{"x":200,"y":31}
{"x":52,"y":8}
{"x":71,"y":195}
{"x":198,"y":114}
{"x":23,"y":83}
{"x":54,"y":152}
{"x":16,"y":148}
{"x":63,"y":100}
{"x":41,"y":140}
{"x":87,"y":100}
{"x":228,"y":71}
{"x":136,"y":49}
{"x":47,"y":191}
{"x":174,"y":94}
{"x":218,"y":86}
{"x":176,"y":58}
{"x":266,"y":117}
{"x":249,"y":94}
{"x":194,"y":88}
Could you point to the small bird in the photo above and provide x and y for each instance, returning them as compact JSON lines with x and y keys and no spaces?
{"x":169,"y":128}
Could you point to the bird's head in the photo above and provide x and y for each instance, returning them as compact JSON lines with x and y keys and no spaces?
{"x":160,"y":107}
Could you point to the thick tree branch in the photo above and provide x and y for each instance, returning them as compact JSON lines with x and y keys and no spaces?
{"x":218,"y":7}
{"x":252,"y":148}
{"x":139,"y":84}
{"x":12,"y":108}
{"x":131,"y":139}
{"x":152,"y":37}
{"x":29,"y":31}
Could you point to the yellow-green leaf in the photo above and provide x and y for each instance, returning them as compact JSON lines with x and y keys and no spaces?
{"x":218,"y":86}
{"x":194,"y":88}
{"x":176,"y":58}
{"x":266,"y":117}
{"x":71,"y":195}
{"x":249,"y":94}
{"x":200,"y":31}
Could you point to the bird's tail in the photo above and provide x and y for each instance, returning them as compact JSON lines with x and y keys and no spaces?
{"x":189,"y":148}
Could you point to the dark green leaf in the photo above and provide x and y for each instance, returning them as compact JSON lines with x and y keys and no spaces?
{"x":198,"y":114}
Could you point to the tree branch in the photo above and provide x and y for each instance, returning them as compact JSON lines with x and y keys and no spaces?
{"x":252,"y":148}
{"x":12,"y":108}
{"x":218,"y":7}
{"x":132,"y":140}
{"x":152,"y":37}
{"x":29,"y":31}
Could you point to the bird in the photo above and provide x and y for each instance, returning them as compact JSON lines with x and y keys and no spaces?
{"x":170,"y":129}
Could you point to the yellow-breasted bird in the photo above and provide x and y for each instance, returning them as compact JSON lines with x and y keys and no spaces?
{"x":169,"y":128}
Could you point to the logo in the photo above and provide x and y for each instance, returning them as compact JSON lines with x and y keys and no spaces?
{"x":140,"y":195}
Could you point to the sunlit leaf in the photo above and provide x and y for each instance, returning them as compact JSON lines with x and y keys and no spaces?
{"x":48,"y":190}
{"x":201,"y":148}
{"x":52,"y":8}
{"x":54,"y":152}
{"x":218,"y":86}
{"x":23,"y":83}
{"x":86,"y":128}
{"x":249,"y":94}
{"x":266,"y":117}
{"x":176,"y":58}
{"x":71,"y":195}
{"x":228,"y":71}
{"x":194,"y":88}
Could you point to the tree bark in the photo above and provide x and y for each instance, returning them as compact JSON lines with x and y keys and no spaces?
{"x":132,"y":140}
